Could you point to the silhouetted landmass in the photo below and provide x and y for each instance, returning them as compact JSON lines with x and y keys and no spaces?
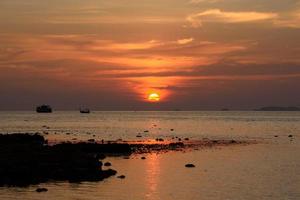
{"x":275,"y":108}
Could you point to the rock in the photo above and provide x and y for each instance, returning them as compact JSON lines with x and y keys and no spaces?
{"x":275,"y":135}
{"x":190,"y":165}
{"x":100,"y":156}
{"x":143,"y":158}
{"x":176,"y":145}
{"x":146,"y":131}
{"x":290,"y":136}
{"x":171,"y":129}
{"x":107,"y":164}
{"x":233,"y":142}
{"x":186,"y":139}
{"x":41,"y":190}
{"x":26,"y":160}
{"x":121,"y":177}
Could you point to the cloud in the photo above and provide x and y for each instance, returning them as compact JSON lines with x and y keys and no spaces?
{"x":290,"y":20}
{"x":219,"y":16}
{"x":204,"y":1}
{"x":185,"y":41}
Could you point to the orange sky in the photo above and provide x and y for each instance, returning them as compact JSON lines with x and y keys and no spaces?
{"x":196,"y":54}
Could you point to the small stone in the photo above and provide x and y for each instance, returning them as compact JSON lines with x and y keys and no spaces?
{"x":121,"y":177}
{"x":233,"y":142}
{"x":41,"y":190}
{"x":290,"y":136}
{"x":190,"y":165}
{"x":143,"y":158}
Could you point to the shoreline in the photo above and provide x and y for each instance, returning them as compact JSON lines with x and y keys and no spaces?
{"x":28,"y":159}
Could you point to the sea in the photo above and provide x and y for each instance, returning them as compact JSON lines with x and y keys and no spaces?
{"x":267,"y":169}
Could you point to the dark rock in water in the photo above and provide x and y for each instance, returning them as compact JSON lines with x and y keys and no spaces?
{"x":41,"y":190}
{"x":190,"y":165}
{"x":290,"y":136}
{"x":26,"y":160}
{"x":121,"y":177}
{"x":107,"y":164}
{"x":233,"y":142}
{"x":143,"y":158}
{"x":100,"y":156}
{"x":176,"y":145}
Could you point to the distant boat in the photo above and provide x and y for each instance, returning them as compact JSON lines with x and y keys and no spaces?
{"x":44,"y":109}
{"x":85,"y":110}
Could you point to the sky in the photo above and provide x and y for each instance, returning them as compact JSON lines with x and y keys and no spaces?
{"x":111,"y":55}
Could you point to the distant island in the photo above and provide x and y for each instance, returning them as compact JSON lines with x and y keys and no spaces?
{"x":278,"y":108}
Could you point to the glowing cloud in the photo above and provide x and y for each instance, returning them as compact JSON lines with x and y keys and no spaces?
{"x":185,"y":41}
{"x":218,"y":16}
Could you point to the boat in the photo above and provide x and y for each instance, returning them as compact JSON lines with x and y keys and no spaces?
{"x":44,"y":109}
{"x":85,"y":111}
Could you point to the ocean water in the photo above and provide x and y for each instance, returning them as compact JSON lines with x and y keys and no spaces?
{"x":269,"y":169}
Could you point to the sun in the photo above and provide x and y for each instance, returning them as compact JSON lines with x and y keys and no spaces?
{"x":154,"y":97}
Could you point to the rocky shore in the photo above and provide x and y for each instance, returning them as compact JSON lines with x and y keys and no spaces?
{"x":27,"y":159}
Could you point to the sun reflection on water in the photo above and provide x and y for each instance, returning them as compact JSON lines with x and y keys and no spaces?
{"x":152,"y":176}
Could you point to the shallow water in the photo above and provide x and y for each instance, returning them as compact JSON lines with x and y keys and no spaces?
{"x":126,"y":125}
{"x":267,"y":170}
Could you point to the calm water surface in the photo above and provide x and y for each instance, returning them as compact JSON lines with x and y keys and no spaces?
{"x":268,"y":170}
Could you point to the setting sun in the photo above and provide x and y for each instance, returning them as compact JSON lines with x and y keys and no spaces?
{"x":154,"y":97}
